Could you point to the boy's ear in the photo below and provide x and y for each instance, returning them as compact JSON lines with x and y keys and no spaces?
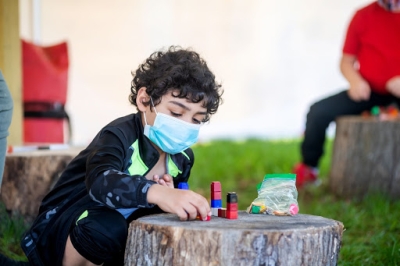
{"x":142,"y":96}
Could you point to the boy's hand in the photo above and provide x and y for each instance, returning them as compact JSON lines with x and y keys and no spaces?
{"x":184,"y":203}
{"x":359,"y":90}
{"x":166,"y":180}
{"x":393,"y":86}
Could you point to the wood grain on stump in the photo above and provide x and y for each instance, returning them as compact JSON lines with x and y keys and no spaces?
{"x":366,"y":157}
{"x":252,"y":239}
{"x":29,"y":176}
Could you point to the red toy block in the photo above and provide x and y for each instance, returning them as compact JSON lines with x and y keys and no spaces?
{"x":216,"y":195}
{"x":215,"y":186}
{"x":199,"y":218}
{"x":231,"y":215}
{"x":231,"y":207}
{"x":222,"y":212}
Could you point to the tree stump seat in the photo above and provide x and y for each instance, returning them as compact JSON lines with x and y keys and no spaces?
{"x":366,"y":157}
{"x":252,"y":239}
{"x":29,"y":176}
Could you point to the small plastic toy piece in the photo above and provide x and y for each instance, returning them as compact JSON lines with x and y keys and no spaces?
{"x":214,"y":211}
{"x":183,"y":185}
{"x":215,"y":195}
{"x":216,"y":186}
{"x":216,"y":203}
{"x":232,"y":215}
{"x":231,"y":197}
{"x":199,"y":218}
{"x":294,"y":209}
{"x":231,"y":205}
{"x":216,"y":200}
{"x":222,"y":212}
{"x":375,"y":110}
{"x":216,"y":190}
{"x":393,"y":112}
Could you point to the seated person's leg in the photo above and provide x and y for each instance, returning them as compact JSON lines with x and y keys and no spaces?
{"x":72,"y":256}
{"x":98,"y":235}
{"x":320,"y":115}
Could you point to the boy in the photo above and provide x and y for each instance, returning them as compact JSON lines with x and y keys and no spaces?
{"x":130,"y":168}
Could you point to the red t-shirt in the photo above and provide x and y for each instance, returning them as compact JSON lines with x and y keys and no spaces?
{"x":373,"y":37}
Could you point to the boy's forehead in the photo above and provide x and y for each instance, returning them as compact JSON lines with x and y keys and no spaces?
{"x":175,"y":99}
{"x":174,"y":94}
{"x":186,"y":102}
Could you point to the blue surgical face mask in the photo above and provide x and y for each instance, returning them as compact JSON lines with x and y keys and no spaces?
{"x":171,"y":134}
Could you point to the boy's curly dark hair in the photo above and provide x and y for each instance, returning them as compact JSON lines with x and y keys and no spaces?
{"x":180,"y":69}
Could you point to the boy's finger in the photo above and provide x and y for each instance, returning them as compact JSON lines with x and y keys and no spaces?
{"x":203,"y":211}
{"x":187,"y":213}
{"x":167,"y":178}
{"x":192,"y":214}
{"x":183,"y":215}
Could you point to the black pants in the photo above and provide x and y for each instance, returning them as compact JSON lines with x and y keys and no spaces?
{"x":323,"y":112}
{"x":100,"y":234}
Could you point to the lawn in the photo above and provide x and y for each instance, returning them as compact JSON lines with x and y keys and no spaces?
{"x":372,"y":225}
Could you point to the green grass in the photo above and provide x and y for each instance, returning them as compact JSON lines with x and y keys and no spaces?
{"x":372,"y":225}
{"x":11,"y":230}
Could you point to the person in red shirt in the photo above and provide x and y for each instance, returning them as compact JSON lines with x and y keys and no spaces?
{"x":371,"y":64}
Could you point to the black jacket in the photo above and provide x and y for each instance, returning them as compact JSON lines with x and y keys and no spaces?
{"x":111,"y":172}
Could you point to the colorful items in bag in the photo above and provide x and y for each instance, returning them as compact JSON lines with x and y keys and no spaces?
{"x":390,"y":112}
{"x":277,"y":195}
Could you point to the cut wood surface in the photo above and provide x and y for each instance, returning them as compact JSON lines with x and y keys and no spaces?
{"x":29,"y":176}
{"x":366,"y":157}
{"x":252,"y":239}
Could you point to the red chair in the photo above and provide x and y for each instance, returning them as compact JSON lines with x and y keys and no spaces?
{"x":45,"y":83}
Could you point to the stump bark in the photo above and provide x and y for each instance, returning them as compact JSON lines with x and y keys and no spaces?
{"x":29,"y":176}
{"x":252,"y":239}
{"x":366,"y":157}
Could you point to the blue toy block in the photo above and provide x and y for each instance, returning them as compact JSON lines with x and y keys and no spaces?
{"x":216,"y":203}
{"x":183,"y":185}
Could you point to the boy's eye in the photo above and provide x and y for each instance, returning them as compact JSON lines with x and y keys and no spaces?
{"x":175,"y":114}
{"x":195,"y":121}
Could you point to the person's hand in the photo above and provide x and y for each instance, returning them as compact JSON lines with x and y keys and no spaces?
{"x":393,"y":86}
{"x":184,"y":203}
{"x":165,"y":180}
{"x":359,"y":90}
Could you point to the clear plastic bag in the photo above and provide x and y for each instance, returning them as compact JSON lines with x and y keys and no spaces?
{"x":277,"y":195}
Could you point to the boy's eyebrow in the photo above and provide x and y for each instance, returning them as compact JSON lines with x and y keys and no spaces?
{"x":186,"y":107}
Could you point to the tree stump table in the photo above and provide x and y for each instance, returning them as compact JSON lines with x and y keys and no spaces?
{"x":252,"y":239}
{"x":366,"y":157}
{"x":29,"y":176}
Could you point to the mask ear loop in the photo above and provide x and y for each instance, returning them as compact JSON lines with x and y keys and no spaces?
{"x":152,"y":103}
{"x":144,"y":113}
